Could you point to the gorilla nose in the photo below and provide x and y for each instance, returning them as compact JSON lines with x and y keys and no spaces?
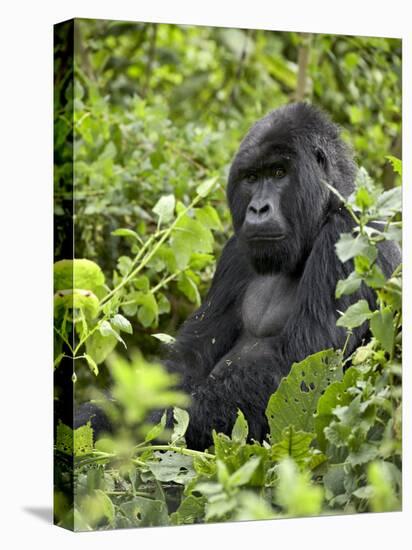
{"x":259,"y":210}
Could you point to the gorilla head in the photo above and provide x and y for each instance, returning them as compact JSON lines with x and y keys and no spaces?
{"x":276,"y":192}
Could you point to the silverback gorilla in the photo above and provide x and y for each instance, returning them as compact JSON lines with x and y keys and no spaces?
{"x":272,"y":299}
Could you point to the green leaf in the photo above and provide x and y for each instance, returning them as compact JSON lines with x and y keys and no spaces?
{"x":83,"y":440}
{"x":74,"y":442}
{"x":148,"y":311}
{"x":64,"y":438}
{"x":98,"y":347}
{"x":348,"y":247}
{"x":363,"y":198}
{"x":145,"y":512}
{"x":206,"y":187}
{"x":164,"y":259}
{"x":222,"y":473}
{"x":240,"y":428}
{"x":364,"y":454}
{"x":58,"y":360}
{"x":142,"y":283}
{"x":77,"y":299}
{"x":295,"y":493}
{"x":244,"y":473}
{"x":375,"y":278}
{"x":165,"y":338}
{"x":172,"y":466}
{"x":157,"y":429}
{"x":106,"y":329}
{"x":190,"y":236}
{"x":188,"y":287}
{"x":392,"y":293}
{"x":91,"y":364}
{"x":336,"y":395}
{"x":383,"y":329}
{"x":96,"y":507}
{"x":125,"y":232}
{"x":121,"y":323}
{"x":253,"y":507}
{"x":164,"y":208}
{"x":396,"y":164}
{"x":181,"y":418}
{"x":79,"y":273}
{"x":294,"y":402}
{"x":349,"y":285}
{"x":389,"y":202}
{"x":163,"y":304}
{"x":190,"y":510}
{"x":382,"y":484}
{"x":220,"y":507}
{"x":297,"y":445}
{"x":355,"y":315}
{"x":208,"y":216}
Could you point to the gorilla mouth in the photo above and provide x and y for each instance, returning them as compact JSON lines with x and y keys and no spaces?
{"x":274,"y":237}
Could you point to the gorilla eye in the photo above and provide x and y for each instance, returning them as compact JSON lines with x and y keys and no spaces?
{"x":251,"y":178}
{"x":279,"y":172}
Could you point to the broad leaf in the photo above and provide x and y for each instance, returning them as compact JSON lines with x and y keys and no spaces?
{"x":181,"y":418}
{"x":240,"y":428}
{"x":382,"y":328}
{"x":294,"y":402}
{"x":355,"y":315}
{"x":297,"y":445}
{"x":165,"y":338}
{"x":79,"y":273}
{"x":335,"y":395}
{"x":121,"y":323}
{"x":206,"y":187}
{"x":244,"y":473}
{"x":348,"y":247}
{"x":164,"y":208}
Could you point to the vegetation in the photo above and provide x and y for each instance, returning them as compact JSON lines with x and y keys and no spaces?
{"x":155,"y":114}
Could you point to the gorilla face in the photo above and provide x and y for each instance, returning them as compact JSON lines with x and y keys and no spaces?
{"x":276,"y":190}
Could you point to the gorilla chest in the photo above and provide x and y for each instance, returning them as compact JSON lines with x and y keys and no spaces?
{"x":267,"y":304}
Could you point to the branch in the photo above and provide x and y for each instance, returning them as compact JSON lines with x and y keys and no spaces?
{"x":303,"y":65}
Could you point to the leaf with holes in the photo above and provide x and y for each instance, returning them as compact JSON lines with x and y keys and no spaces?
{"x":144,"y":512}
{"x":294,"y":402}
{"x":172,"y":466}
{"x":181,"y":418}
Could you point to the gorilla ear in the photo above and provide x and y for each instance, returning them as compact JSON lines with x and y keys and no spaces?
{"x":321,"y":157}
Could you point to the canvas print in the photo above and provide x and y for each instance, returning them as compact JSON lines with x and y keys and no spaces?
{"x":227,"y":276}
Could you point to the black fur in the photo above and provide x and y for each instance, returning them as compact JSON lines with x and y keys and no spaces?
{"x":234,"y":350}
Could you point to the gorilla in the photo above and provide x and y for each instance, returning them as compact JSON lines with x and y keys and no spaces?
{"x":272,"y":299}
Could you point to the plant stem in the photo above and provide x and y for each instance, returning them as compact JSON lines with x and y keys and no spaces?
{"x":174,"y":448}
{"x":150,"y":255}
{"x":65,"y":340}
{"x":165,"y":281}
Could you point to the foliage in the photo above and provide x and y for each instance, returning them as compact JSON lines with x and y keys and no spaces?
{"x":158,"y":112}
{"x":160,"y":108}
{"x":334,"y":441}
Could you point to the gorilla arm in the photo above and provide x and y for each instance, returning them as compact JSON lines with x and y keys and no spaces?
{"x":214,"y":328}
